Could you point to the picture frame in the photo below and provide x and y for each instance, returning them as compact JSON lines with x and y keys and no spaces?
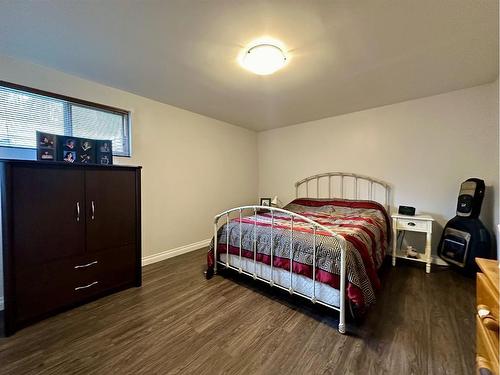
{"x":69,"y":156}
{"x":265,"y":202}
{"x":86,"y":151}
{"x":69,"y":149}
{"x":46,"y":154}
{"x":46,"y":145}
{"x":46,"y":140}
{"x":104,"y":152}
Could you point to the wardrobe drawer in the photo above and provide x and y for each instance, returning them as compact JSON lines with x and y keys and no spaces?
{"x":55,"y":285}
{"x":116,"y":267}
{"x":86,"y":278}
{"x":46,"y":287}
{"x":105,"y":270}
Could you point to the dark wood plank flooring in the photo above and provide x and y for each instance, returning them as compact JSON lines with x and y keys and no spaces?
{"x":180,"y":323}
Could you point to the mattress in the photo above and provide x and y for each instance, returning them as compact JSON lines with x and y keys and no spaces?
{"x":300,"y":283}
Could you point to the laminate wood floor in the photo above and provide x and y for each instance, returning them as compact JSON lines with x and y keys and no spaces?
{"x":180,"y":323}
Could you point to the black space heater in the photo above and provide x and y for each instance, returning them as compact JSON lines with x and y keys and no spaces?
{"x":465,"y":237}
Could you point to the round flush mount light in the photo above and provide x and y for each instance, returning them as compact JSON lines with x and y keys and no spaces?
{"x":263,"y":58}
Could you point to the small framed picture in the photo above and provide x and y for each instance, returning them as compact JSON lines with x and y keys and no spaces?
{"x":46,"y":154}
{"x":105,"y":159}
{"x":86,"y":145}
{"x":86,"y":151}
{"x":104,"y":154}
{"x":85,"y":158}
{"x":105,"y":146}
{"x":265,"y":202}
{"x":69,"y":156}
{"x":70,"y":144}
{"x":46,"y":146}
{"x":46,"y":140}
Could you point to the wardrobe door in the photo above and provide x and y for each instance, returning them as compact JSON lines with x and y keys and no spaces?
{"x":111,"y":208}
{"x":48,"y":211}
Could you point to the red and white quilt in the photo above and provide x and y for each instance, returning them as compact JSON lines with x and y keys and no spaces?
{"x":364,"y":225}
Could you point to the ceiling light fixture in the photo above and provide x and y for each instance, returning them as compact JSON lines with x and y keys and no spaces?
{"x":263,"y":58}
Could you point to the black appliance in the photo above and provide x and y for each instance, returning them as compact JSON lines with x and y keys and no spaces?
{"x":465,"y":237}
{"x":406,"y":210}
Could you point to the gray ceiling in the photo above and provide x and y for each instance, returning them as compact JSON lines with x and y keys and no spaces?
{"x":345,"y":55}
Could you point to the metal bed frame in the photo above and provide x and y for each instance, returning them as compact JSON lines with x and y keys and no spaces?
{"x":371,"y":183}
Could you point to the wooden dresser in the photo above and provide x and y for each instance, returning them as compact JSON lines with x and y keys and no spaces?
{"x":70,"y":234}
{"x":487,"y":356}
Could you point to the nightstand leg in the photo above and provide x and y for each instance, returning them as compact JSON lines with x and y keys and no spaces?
{"x":394,"y":241}
{"x":428,"y":252}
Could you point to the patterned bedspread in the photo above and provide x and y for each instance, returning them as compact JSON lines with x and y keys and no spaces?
{"x":363,"y":224}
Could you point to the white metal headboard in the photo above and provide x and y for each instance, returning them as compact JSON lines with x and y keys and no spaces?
{"x":346,"y":186}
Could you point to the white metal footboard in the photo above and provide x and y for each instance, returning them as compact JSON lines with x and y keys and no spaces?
{"x":315,"y":226}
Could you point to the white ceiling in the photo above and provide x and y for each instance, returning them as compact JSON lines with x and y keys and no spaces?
{"x":345,"y":55}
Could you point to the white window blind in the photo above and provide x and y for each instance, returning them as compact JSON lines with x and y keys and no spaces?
{"x":23,"y":112}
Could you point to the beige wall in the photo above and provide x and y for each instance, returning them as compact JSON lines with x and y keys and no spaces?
{"x":424,"y":148}
{"x":183,"y":155}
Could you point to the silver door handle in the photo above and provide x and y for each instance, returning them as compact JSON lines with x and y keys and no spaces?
{"x":86,"y":265}
{"x":87,"y":286}
{"x":78,"y":211}
{"x":93,"y":209}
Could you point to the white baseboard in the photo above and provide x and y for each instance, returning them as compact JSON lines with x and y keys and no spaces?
{"x":174,"y":252}
{"x":1,"y":303}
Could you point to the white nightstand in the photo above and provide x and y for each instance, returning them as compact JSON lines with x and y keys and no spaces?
{"x":418,"y":223}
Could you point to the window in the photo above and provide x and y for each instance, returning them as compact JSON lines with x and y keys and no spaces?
{"x":23,"y":111}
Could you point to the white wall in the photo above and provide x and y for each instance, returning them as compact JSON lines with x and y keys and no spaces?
{"x":424,"y":148}
{"x":193,"y":166}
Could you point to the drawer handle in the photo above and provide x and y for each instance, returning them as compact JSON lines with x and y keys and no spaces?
{"x":483,"y":366}
{"x":86,"y":265}
{"x":483,"y":311}
{"x":78,"y":211}
{"x":87,"y":286}
{"x":411,"y":224}
{"x":489,"y":322}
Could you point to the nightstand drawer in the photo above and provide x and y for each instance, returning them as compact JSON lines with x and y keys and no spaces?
{"x":414,"y":225}
{"x":487,"y":345}
{"x":486,"y":295}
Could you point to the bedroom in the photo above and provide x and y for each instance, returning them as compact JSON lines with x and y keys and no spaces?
{"x":403,"y":93}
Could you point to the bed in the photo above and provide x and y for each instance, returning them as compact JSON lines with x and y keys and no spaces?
{"x":326,"y":246}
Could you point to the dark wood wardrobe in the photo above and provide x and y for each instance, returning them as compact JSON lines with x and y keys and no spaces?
{"x":70,"y":234}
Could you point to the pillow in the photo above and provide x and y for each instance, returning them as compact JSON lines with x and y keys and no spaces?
{"x":298,"y":208}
